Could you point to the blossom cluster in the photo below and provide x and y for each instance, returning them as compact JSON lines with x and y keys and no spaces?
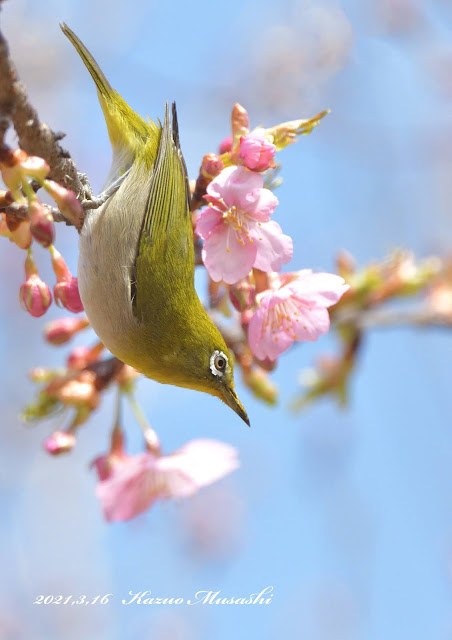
{"x":240,"y":238}
{"x":243,"y":249}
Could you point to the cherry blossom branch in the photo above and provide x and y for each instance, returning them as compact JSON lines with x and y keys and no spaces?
{"x":20,"y":212}
{"x":35,"y":137}
{"x":419,"y":317}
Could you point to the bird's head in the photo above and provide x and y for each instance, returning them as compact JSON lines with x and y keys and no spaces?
{"x":199,"y":359}
{"x":220,"y":382}
{"x":211,"y":370}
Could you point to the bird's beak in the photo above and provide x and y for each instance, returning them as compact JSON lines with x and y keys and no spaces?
{"x":230,"y":397}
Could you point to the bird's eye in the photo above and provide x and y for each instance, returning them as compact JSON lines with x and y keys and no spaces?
{"x":218,"y":363}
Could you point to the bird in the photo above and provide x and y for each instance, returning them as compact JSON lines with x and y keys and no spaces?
{"x":136,"y":260}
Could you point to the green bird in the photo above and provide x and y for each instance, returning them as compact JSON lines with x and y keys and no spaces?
{"x":136,"y":264}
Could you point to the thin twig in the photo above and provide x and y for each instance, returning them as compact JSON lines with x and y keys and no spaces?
{"x":419,"y":317}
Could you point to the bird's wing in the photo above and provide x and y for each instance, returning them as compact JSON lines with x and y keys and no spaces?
{"x":165,"y":255}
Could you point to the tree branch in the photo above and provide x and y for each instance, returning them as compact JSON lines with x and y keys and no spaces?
{"x":35,"y":137}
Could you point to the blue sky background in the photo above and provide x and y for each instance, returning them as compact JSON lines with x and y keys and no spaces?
{"x":347,"y":513}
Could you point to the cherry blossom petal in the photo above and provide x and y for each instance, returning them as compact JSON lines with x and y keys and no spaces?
{"x":263,"y":342}
{"x":311,"y":323}
{"x":320,"y":289}
{"x":272,"y":297}
{"x":132,"y":485}
{"x":259,"y":204}
{"x":198,"y":464}
{"x":131,"y":489}
{"x":225,"y":258}
{"x":274,"y":247}
{"x":233,"y":184}
{"x":207,"y":220}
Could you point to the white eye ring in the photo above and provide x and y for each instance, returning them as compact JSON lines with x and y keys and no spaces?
{"x":215,"y":360}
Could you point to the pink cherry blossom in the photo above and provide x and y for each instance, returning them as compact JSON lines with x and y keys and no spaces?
{"x":256,"y":151}
{"x":295,"y":309}
{"x":236,"y":227}
{"x":135,"y":483}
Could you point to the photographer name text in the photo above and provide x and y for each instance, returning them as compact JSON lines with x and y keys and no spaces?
{"x":262,"y":597}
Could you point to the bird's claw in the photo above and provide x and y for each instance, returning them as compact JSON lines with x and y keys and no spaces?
{"x":102,"y":198}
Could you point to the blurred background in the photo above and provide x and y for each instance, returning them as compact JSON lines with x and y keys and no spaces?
{"x":346,"y":513}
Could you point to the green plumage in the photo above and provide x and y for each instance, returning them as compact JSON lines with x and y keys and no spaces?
{"x":166,"y":232}
{"x":127,"y":130}
{"x":136,"y":265}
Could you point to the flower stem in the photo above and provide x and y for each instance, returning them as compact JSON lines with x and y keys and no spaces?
{"x":150,"y":436}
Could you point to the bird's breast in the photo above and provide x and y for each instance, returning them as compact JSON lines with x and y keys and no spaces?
{"x":108,"y":245}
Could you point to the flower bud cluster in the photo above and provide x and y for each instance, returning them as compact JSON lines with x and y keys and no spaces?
{"x":21,"y":173}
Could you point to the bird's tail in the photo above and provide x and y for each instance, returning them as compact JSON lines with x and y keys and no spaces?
{"x":128,"y":132}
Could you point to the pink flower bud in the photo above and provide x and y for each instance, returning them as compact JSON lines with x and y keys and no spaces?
{"x":41,"y":223}
{"x":66,"y":201}
{"x":211,"y":166}
{"x":34,"y":294}
{"x":242,"y":294}
{"x":62,"y":330}
{"x":81,"y":357}
{"x":78,"y":358}
{"x":59,"y":442}
{"x":239,"y":121}
{"x":66,"y":289}
{"x":225,"y":145}
{"x":257,"y":151}
{"x":107,"y":464}
{"x":67,"y":295}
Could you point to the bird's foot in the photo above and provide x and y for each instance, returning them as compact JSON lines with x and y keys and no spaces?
{"x":102,"y":198}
